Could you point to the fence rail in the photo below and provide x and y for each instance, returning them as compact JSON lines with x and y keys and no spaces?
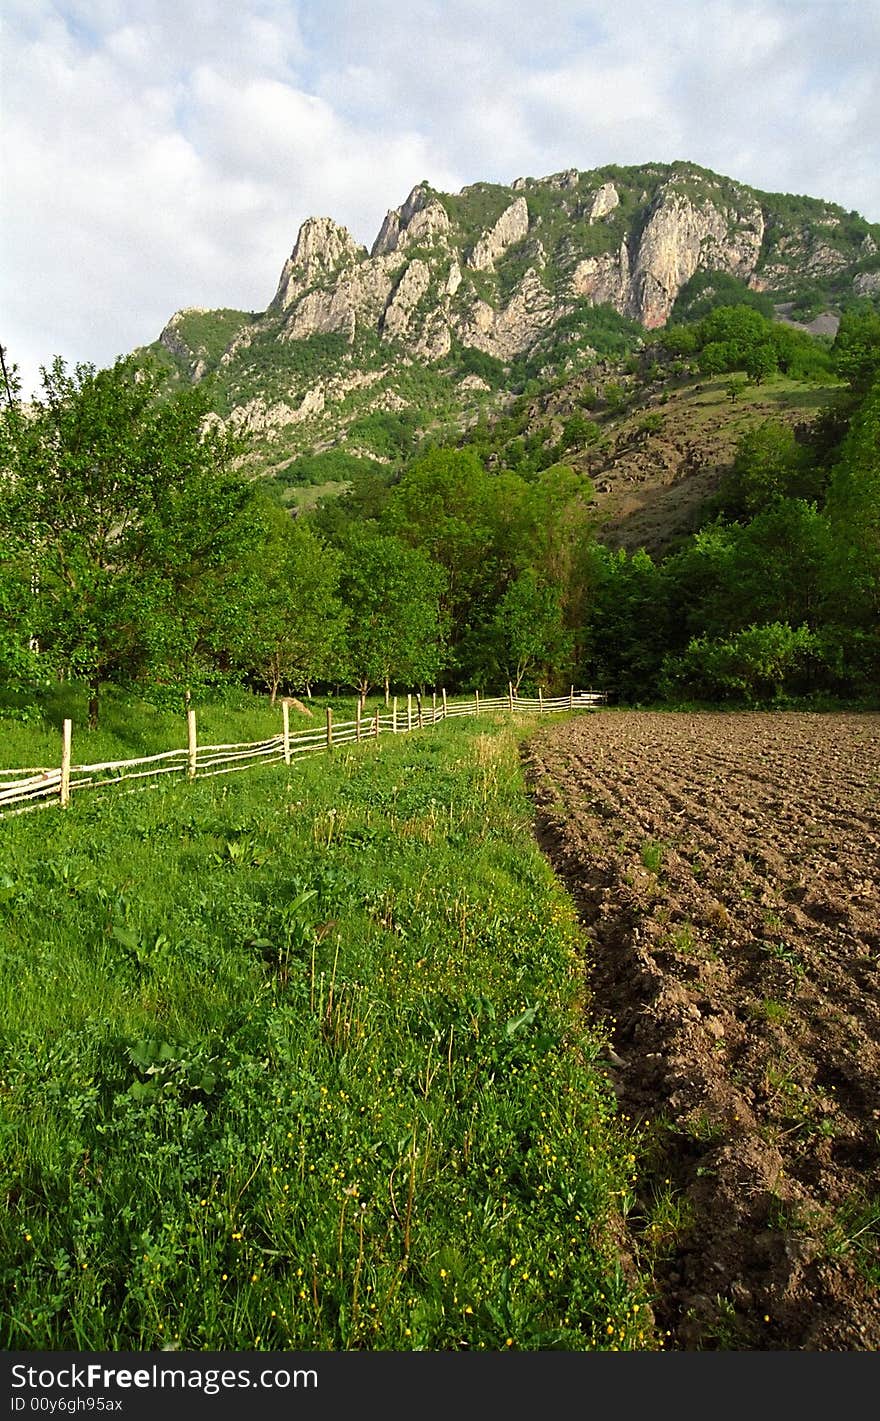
{"x":34,"y":788}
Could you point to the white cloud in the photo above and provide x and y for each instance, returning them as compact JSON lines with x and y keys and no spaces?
{"x":158,"y":155}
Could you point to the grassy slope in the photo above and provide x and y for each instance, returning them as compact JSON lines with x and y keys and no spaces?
{"x":298,"y":1059}
{"x":652,"y":486}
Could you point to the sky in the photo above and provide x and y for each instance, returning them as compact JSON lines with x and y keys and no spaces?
{"x":162,"y":153}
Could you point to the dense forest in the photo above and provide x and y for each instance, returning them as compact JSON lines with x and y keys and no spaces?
{"x":133,"y":549}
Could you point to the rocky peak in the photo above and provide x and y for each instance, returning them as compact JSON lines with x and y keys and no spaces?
{"x":512,"y":226}
{"x":605,"y":199}
{"x":322,"y":247}
{"x":420,"y":219}
{"x":567,"y":179}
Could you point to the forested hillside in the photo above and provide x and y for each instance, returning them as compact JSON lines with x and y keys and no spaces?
{"x":615,"y":428}
{"x":137,"y":551}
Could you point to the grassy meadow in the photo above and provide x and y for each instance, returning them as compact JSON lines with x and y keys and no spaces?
{"x":298,"y":1059}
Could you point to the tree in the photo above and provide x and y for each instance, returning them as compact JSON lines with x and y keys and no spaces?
{"x":855,"y":353}
{"x":20,"y":664}
{"x":294,"y":622}
{"x":768,"y":570}
{"x":527,"y":630}
{"x":760,"y":362}
{"x":131,"y":509}
{"x":578,"y":431}
{"x":759,"y":663}
{"x":395,"y":628}
{"x":769,"y":464}
{"x":444,"y":505}
{"x":853,"y":514}
{"x":627,"y":623}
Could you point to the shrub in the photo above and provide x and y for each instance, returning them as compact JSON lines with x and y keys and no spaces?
{"x":759,"y":663}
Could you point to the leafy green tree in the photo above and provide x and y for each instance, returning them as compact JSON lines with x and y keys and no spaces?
{"x":757,"y":664}
{"x":527,"y":635}
{"x":20,"y":664}
{"x":770,"y":569}
{"x":627,"y":624}
{"x":760,"y":363}
{"x":769,"y":464}
{"x":550,"y":532}
{"x":853,"y":516}
{"x":392,"y":596}
{"x":855,"y":353}
{"x":293,"y":627}
{"x":578,"y":432}
{"x":129,"y":506}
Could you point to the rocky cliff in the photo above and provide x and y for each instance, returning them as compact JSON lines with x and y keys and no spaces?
{"x":506,"y":271}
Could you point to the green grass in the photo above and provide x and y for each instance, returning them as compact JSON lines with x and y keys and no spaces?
{"x":129,"y":727}
{"x":651,"y":854}
{"x":298,"y":1059}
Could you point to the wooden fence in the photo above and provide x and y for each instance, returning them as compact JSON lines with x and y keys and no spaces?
{"x":23,"y":790}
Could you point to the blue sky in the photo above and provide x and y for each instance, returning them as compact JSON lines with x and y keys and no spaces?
{"x":162,"y":153}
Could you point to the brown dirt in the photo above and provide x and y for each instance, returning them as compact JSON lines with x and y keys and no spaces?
{"x":727,"y":870}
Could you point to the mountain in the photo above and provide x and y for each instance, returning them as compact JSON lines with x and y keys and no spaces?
{"x":465,"y":297}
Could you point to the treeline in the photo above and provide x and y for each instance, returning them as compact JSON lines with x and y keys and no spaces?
{"x":779,"y":594}
{"x":133,"y":551}
{"x":743,"y":338}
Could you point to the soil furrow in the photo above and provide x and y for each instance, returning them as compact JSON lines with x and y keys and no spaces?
{"x":726,"y":869}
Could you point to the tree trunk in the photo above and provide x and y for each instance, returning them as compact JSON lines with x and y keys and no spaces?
{"x":94,"y":693}
{"x":387,"y":692}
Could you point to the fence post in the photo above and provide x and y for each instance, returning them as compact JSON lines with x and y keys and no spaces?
{"x":357,"y":722}
{"x":285,"y":721}
{"x":419,"y":706}
{"x":476,"y":703}
{"x":433,"y":707}
{"x":376,"y":724}
{"x":571,"y":698}
{"x":510,"y":694}
{"x":329,"y":727}
{"x":192,"y":744}
{"x":394,"y":716}
{"x":409,"y":710}
{"x":541,"y":700}
{"x":66,"y":742}
{"x":444,"y":703}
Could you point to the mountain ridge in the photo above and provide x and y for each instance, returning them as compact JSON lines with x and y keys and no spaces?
{"x":461,"y":294}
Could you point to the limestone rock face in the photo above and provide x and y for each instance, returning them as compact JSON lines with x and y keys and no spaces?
{"x":605,"y":199}
{"x":421,"y":219}
{"x":567,"y":179}
{"x":453,"y":281}
{"x":410,"y":289}
{"x":506,"y":332}
{"x":173,"y":340}
{"x":258,"y":417}
{"x":440,"y":276}
{"x":358,"y":296}
{"x":605,"y":279}
{"x":434,"y":341}
{"x":512,"y":226}
{"x":867,"y":283}
{"x":681,"y":236}
{"x":321,"y":248}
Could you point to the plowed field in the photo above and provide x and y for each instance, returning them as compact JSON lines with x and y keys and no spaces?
{"x":727,"y":870}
